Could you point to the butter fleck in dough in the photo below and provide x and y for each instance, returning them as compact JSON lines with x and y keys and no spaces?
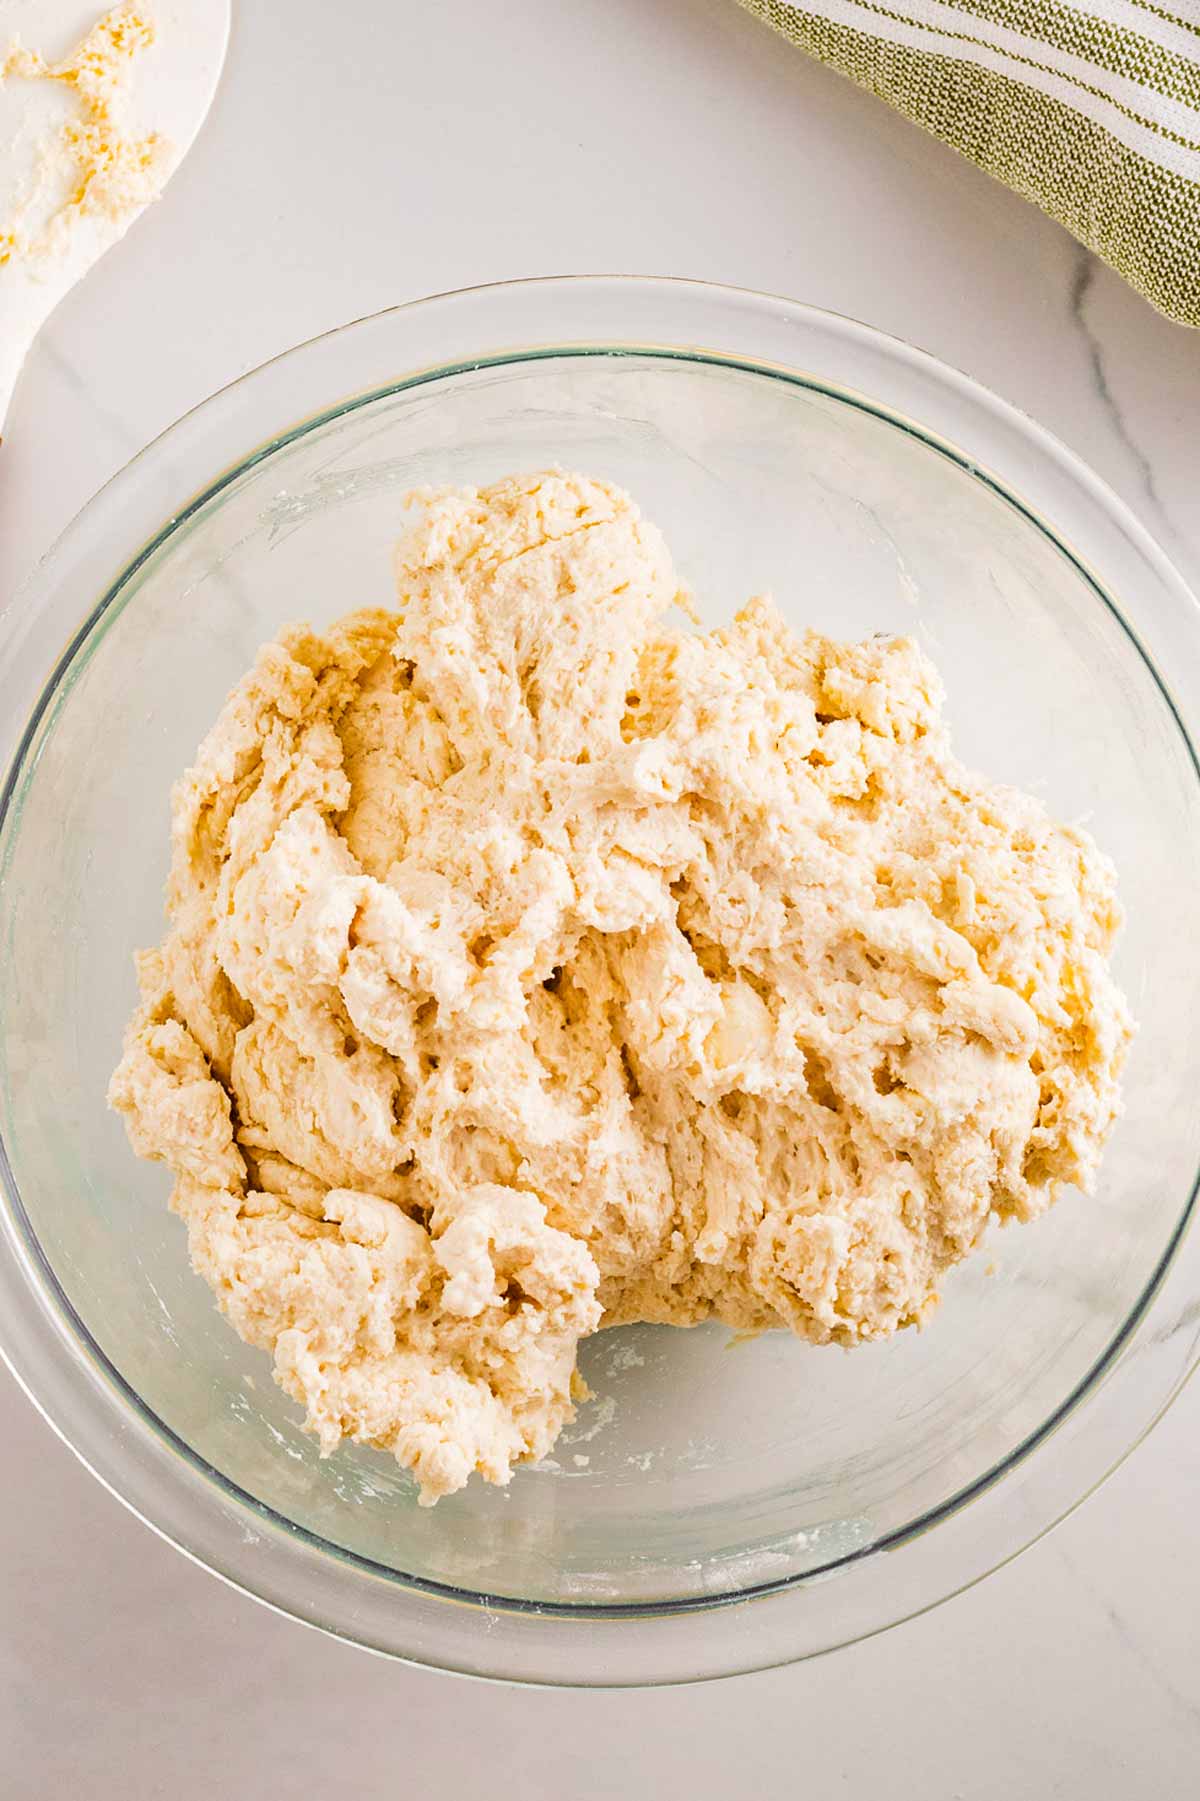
{"x":536,"y":966}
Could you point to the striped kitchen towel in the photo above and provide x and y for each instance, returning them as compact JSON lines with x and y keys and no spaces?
{"x":1089,"y":107}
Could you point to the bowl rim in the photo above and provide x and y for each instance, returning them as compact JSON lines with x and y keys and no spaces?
{"x":58,"y":1334}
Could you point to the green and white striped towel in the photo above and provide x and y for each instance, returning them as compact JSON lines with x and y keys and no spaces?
{"x":1091,"y":108}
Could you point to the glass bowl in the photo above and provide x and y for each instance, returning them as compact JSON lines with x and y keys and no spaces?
{"x":716,"y":1507}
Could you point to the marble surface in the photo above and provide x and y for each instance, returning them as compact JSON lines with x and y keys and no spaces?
{"x":350,"y":165}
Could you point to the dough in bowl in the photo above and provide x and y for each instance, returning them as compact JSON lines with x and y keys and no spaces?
{"x":537,"y":964}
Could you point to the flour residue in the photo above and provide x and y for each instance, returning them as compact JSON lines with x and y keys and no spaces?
{"x":92,"y":165}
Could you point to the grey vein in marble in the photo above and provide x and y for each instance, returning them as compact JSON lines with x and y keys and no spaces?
{"x":1082,"y":282}
{"x":127,"y":441}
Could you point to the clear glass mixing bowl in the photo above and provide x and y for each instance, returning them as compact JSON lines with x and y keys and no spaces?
{"x":715,"y":1508}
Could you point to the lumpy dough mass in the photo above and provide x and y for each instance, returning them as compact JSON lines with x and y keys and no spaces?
{"x":535,"y":965}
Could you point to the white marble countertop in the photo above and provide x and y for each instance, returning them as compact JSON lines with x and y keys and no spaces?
{"x":366,"y":155}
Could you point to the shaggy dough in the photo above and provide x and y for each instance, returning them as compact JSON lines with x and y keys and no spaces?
{"x":535,"y":966}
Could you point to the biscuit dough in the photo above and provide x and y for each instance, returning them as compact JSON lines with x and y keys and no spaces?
{"x":535,"y":965}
